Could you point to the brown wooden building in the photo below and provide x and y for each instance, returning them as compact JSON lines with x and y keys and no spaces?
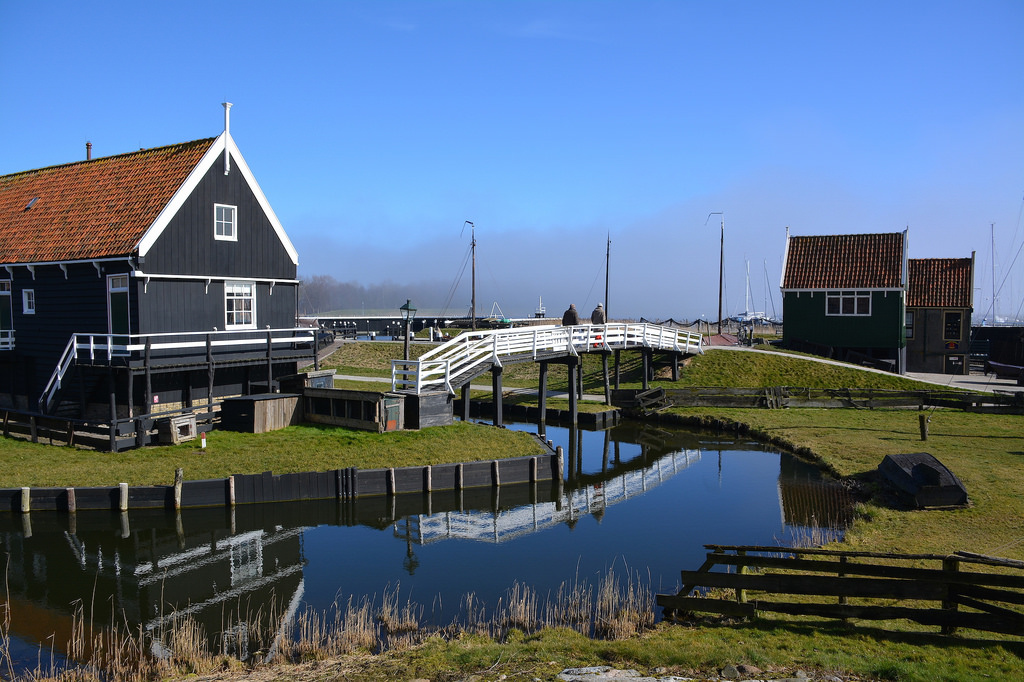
{"x":940,"y":300}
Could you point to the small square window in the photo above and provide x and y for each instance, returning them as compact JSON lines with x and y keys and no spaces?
{"x":28,"y":301}
{"x":224,"y":223}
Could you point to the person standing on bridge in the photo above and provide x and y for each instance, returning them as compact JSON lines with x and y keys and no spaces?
{"x":598,"y":316}
{"x":571,"y":318}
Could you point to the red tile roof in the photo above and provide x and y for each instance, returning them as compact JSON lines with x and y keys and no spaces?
{"x":940,"y":282}
{"x":845,"y":261}
{"x":90,"y":209}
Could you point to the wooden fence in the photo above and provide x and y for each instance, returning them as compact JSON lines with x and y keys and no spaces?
{"x":963,"y":591}
{"x":348,"y":483}
{"x":787,"y":396}
{"x":101,"y":435}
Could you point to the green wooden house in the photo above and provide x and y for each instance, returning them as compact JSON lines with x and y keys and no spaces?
{"x":844,"y":297}
{"x":940,"y":301}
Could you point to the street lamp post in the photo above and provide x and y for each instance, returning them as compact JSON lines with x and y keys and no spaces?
{"x":408,"y":313}
{"x":721,"y":262}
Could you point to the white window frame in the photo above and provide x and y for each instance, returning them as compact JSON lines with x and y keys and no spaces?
{"x":225,"y":229}
{"x":235,"y":292}
{"x":848,"y":303}
{"x":28,"y":301}
{"x":909,"y":323}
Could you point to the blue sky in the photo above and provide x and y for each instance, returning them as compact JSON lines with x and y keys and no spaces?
{"x":377,"y":128}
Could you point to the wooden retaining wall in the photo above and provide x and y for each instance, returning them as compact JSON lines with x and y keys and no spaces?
{"x":348,"y":483}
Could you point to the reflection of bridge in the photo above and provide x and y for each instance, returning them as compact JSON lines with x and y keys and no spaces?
{"x":454,"y":364}
{"x":500,"y":526}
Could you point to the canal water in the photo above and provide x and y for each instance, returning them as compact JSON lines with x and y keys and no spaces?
{"x":637,"y":499}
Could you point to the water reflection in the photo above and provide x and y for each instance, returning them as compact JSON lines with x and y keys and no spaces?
{"x":648,"y":498}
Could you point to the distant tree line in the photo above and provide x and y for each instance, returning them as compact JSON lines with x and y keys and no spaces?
{"x":320,"y":294}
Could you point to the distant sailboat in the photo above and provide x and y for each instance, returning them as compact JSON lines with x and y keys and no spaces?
{"x":749,"y":315}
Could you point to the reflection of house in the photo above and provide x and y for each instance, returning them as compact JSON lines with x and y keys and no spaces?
{"x":153,"y":576}
{"x":939,"y":306}
{"x":161,"y":274}
{"x":843,"y":296}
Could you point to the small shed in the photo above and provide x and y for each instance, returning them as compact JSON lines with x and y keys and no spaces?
{"x":367,"y":410}
{"x":261,"y":412}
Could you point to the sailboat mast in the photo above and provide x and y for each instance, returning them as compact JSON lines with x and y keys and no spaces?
{"x":992,"y":230}
{"x":607,"y":261}
{"x":472,"y":310}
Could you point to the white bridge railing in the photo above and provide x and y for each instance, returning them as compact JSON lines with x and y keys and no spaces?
{"x":106,"y":348}
{"x":470,"y":352}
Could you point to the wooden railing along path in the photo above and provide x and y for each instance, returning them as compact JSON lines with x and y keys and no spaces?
{"x":957,"y":593}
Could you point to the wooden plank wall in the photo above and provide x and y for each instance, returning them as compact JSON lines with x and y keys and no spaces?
{"x":267,"y":487}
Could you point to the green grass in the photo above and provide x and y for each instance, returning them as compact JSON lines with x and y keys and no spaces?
{"x":296,"y":448}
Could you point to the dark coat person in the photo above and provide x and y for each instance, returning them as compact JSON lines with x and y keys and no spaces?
{"x":571,"y":318}
{"x":598,"y":317}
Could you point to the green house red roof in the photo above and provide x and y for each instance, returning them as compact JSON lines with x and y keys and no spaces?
{"x":845,"y":261}
{"x":90,"y":209}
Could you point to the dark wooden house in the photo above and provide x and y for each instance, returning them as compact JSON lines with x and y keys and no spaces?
{"x":940,"y":301}
{"x":142,"y":282}
{"x":844,"y":296}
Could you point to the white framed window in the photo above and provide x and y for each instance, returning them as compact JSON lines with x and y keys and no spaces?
{"x":6,"y":316}
{"x":28,"y":301}
{"x":225,"y":223}
{"x":240,"y":305}
{"x":848,"y":303}
{"x":910,"y":324}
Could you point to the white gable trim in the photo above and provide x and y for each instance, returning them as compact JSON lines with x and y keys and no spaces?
{"x":222,"y":143}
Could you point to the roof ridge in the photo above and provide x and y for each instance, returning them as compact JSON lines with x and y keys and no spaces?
{"x":147,"y":150}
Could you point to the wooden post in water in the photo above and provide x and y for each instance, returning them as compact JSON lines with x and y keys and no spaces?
{"x":607,"y":383}
{"x":617,"y":364}
{"x":179,"y":477}
{"x":465,"y":402}
{"x":573,"y":366}
{"x":496,"y":394}
{"x":542,"y":398}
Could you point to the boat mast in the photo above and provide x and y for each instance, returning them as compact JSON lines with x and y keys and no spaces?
{"x":607,"y":260}
{"x":995,"y":318}
{"x":472,"y":248}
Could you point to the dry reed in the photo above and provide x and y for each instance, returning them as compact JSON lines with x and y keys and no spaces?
{"x":117,"y":652}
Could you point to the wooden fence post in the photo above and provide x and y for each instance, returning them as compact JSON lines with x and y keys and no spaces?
{"x":741,"y":569}
{"x":179,"y":477}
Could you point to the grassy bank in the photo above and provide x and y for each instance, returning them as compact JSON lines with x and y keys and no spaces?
{"x":296,"y":448}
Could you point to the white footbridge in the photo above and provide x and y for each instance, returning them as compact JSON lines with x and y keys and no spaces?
{"x":470,"y":354}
